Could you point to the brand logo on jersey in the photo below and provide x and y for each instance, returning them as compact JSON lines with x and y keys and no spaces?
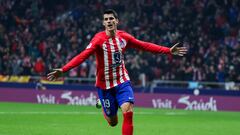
{"x":117,"y":59}
{"x":89,"y":46}
{"x":130,"y":98}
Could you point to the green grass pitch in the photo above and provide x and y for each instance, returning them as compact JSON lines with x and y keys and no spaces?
{"x":40,"y":119}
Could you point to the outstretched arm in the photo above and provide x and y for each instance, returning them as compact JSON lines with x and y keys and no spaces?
{"x":77,"y":60}
{"x":147,"y":46}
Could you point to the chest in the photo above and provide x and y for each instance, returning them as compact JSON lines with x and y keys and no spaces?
{"x":113,"y":45}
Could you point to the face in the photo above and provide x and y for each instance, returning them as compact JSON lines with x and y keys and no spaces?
{"x":110,"y":22}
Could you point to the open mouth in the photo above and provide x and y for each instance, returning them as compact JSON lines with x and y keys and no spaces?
{"x":110,"y":25}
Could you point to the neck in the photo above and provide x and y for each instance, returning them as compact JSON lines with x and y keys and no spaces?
{"x":111,"y":33}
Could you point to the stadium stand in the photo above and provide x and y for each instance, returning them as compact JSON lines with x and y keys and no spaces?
{"x":36,"y":36}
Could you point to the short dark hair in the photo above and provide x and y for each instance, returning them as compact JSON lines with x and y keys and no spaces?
{"x":111,"y":11}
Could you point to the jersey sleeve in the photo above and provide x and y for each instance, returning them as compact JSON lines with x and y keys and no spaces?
{"x":146,"y":46}
{"x":77,"y":60}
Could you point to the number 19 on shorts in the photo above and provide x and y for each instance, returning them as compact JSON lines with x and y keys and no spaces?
{"x":106,"y":103}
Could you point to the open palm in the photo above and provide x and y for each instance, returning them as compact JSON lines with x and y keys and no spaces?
{"x":54,"y":74}
{"x":180,"y":51}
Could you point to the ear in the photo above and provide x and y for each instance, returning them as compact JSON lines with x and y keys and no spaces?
{"x":117,"y":21}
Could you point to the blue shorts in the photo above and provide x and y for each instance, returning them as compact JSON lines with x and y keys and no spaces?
{"x":113,"y":98}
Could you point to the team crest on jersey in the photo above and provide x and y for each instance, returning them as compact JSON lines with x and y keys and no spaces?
{"x":123,"y":43}
{"x":104,"y":46}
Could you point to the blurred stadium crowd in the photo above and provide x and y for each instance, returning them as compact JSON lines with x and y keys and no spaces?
{"x":38,"y":35}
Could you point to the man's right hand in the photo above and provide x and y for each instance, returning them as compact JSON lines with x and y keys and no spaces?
{"x":54,"y":74}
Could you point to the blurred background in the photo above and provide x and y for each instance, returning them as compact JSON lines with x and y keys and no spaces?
{"x":37,"y":36}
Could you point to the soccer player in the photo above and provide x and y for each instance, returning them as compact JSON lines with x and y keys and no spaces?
{"x":112,"y":79}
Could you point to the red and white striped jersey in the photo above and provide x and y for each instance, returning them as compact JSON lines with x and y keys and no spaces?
{"x":111,"y":70}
